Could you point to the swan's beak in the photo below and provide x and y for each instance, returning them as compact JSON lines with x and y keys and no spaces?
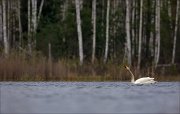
{"x":126,"y":67}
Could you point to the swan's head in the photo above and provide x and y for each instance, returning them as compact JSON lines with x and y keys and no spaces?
{"x":126,"y":67}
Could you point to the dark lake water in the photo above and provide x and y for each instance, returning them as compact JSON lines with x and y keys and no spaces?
{"x":89,"y":97}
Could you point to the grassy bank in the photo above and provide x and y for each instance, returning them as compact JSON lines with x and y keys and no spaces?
{"x":19,"y":67}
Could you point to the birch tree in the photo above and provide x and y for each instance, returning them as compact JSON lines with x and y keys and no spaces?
{"x":140,"y":35}
{"x":33,"y":20}
{"x":40,"y":11}
{"x":107,"y":31}
{"x":151,"y":41}
{"x":29,"y":27}
{"x":6,"y":43}
{"x":94,"y":29}
{"x":19,"y":21}
{"x":79,"y":31}
{"x":175,"y":32}
{"x":157,"y":29}
{"x":128,"y":40}
{"x":133,"y":27}
{"x":1,"y":23}
{"x":8,"y":5}
{"x":12,"y":22}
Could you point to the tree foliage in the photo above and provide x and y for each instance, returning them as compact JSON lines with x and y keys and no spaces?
{"x":57,"y":25}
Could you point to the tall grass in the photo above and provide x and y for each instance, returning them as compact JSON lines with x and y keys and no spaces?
{"x":20,"y":67}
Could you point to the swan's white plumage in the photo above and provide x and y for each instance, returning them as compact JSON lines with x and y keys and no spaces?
{"x":144,"y":80}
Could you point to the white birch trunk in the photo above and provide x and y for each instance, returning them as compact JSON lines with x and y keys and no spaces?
{"x":8,"y":19}
{"x":34,"y":15}
{"x":151,"y":44}
{"x":175,"y":32}
{"x":128,"y":40}
{"x":94,"y":29}
{"x":12,"y":24}
{"x":34,"y":22}
{"x":19,"y":22}
{"x":29,"y":27}
{"x":6,"y":44}
{"x":157,"y":29}
{"x":136,"y":28}
{"x":132,"y":27}
{"x":140,"y":35}
{"x":78,"y":20}
{"x":40,"y":11}
{"x":1,"y":23}
{"x":107,"y":31}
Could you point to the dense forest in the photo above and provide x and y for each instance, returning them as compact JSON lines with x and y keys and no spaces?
{"x":52,"y":39}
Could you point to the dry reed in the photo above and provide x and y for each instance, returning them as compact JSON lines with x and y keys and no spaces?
{"x":20,"y":67}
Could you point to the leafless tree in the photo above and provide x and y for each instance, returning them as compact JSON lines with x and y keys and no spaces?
{"x":175,"y":32}
{"x":6,"y":43}
{"x":157,"y":29}
{"x":107,"y":31}
{"x":128,"y":40}
{"x":140,"y":35}
{"x":79,"y":30}
{"x":94,"y":29}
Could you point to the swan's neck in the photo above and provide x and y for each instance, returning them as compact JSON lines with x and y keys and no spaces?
{"x":132,"y":76}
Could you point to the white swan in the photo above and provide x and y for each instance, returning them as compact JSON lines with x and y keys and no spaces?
{"x":144,"y":80}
